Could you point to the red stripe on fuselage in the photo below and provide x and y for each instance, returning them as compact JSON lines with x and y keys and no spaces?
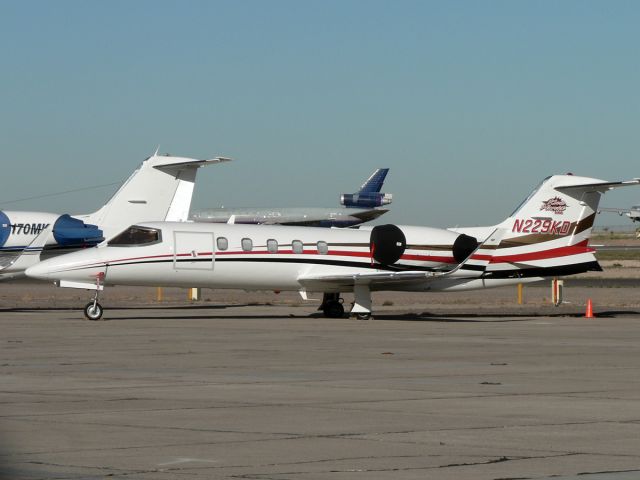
{"x":343,"y":253}
{"x":576,"y":249}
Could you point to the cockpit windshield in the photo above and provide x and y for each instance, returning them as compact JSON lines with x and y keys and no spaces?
{"x":136,"y":236}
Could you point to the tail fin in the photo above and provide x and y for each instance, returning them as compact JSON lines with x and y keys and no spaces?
{"x":548,"y":234}
{"x":160,"y":189}
{"x":369,"y":195}
{"x":375,"y":181}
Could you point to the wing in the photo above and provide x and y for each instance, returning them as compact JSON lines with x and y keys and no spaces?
{"x":320,"y":282}
{"x":619,"y":211}
{"x":476,"y":268}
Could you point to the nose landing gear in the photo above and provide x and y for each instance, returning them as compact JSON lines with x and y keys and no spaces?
{"x":93,"y":310}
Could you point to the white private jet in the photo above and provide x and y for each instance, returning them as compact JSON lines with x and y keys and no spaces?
{"x":160,"y":189}
{"x":546,"y":236}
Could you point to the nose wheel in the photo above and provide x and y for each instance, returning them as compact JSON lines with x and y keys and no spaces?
{"x":93,"y":311}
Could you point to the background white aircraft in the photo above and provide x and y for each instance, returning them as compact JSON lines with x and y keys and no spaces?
{"x":359,"y":207}
{"x":160,"y":189}
{"x":546,"y":236}
{"x":633,"y":213}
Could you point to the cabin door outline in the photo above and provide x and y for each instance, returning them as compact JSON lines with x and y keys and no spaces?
{"x":193,"y":251}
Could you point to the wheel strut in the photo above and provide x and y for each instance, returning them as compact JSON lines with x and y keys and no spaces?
{"x":361,"y":302}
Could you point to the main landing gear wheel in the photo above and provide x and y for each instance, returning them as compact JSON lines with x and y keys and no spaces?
{"x":332,"y":306}
{"x":363,"y":316}
{"x":93,"y":311}
{"x":333,"y":309}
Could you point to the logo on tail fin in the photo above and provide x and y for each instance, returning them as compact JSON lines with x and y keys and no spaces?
{"x":555,"y":205}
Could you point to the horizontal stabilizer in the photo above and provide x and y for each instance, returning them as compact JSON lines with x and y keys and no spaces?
{"x":599,"y":186}
{"x":368,"y":215}
{"x":175,"y":167}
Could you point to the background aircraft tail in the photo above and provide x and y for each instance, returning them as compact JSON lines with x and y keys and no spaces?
{"x":375,"y":181}
{"x":160,"y":189}
{"x":548,"y":234}
{"x":369,"y":195}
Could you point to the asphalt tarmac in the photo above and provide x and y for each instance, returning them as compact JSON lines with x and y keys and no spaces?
{"x":273,"y":391}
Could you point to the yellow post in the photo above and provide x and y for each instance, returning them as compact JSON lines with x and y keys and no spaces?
{"x":159,"y":294}
{"x":519,"y":294}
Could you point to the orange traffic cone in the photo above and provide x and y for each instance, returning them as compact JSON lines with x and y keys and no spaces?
{"x":589,"y":312}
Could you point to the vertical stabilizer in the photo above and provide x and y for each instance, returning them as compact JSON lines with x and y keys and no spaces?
{"x":160,"y":189}
{"x":375,"y":181}
{"x":548,"y":234}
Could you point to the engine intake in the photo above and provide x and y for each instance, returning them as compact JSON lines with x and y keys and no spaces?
{"x":365,"y":200}
{"x":5,"y":228}
{"x":72,"y":231}
{"x":464,"y":246}
{"x":387,"y":244}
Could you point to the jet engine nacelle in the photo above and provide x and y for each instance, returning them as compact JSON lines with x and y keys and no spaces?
{"x":365,"y":200}
{"x":19,"y":229}
{"x":420,"y":246}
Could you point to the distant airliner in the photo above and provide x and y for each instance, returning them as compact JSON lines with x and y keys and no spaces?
{"x":359,"y":207}
{"x":633,"y":213}
{"x":161,"y":189}
{"x":547,"y":236}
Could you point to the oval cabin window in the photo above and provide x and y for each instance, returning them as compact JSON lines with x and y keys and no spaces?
{"x":247,"y":244}
{"x":297,"y":246}
{"x":222,"y":243}
{"x":323,"y":248}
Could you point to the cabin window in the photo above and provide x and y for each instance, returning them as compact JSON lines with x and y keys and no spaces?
{"x":297,"y":246}
{"x":136,"y":236}
{"x":323,"y":248}
{"x":222,"y":243}
{"x":272,"y":246}
{"x":247,"y":244}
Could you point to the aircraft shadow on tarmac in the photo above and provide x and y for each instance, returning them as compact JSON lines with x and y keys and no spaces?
{"x":493,"y":317}
{"x":196,"y":312}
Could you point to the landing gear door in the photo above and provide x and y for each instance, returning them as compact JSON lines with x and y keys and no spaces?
{"x":193,"y":251}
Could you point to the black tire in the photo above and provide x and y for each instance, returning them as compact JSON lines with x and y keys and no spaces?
{"x":92,"y":313}
{"x":363,"y":316}
{"x":333,"y":309}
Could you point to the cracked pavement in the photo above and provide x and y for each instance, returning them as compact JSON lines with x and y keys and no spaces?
{"x":269,"y":392}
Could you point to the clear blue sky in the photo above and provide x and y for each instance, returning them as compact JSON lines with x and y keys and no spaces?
{"x":469,"y":103}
